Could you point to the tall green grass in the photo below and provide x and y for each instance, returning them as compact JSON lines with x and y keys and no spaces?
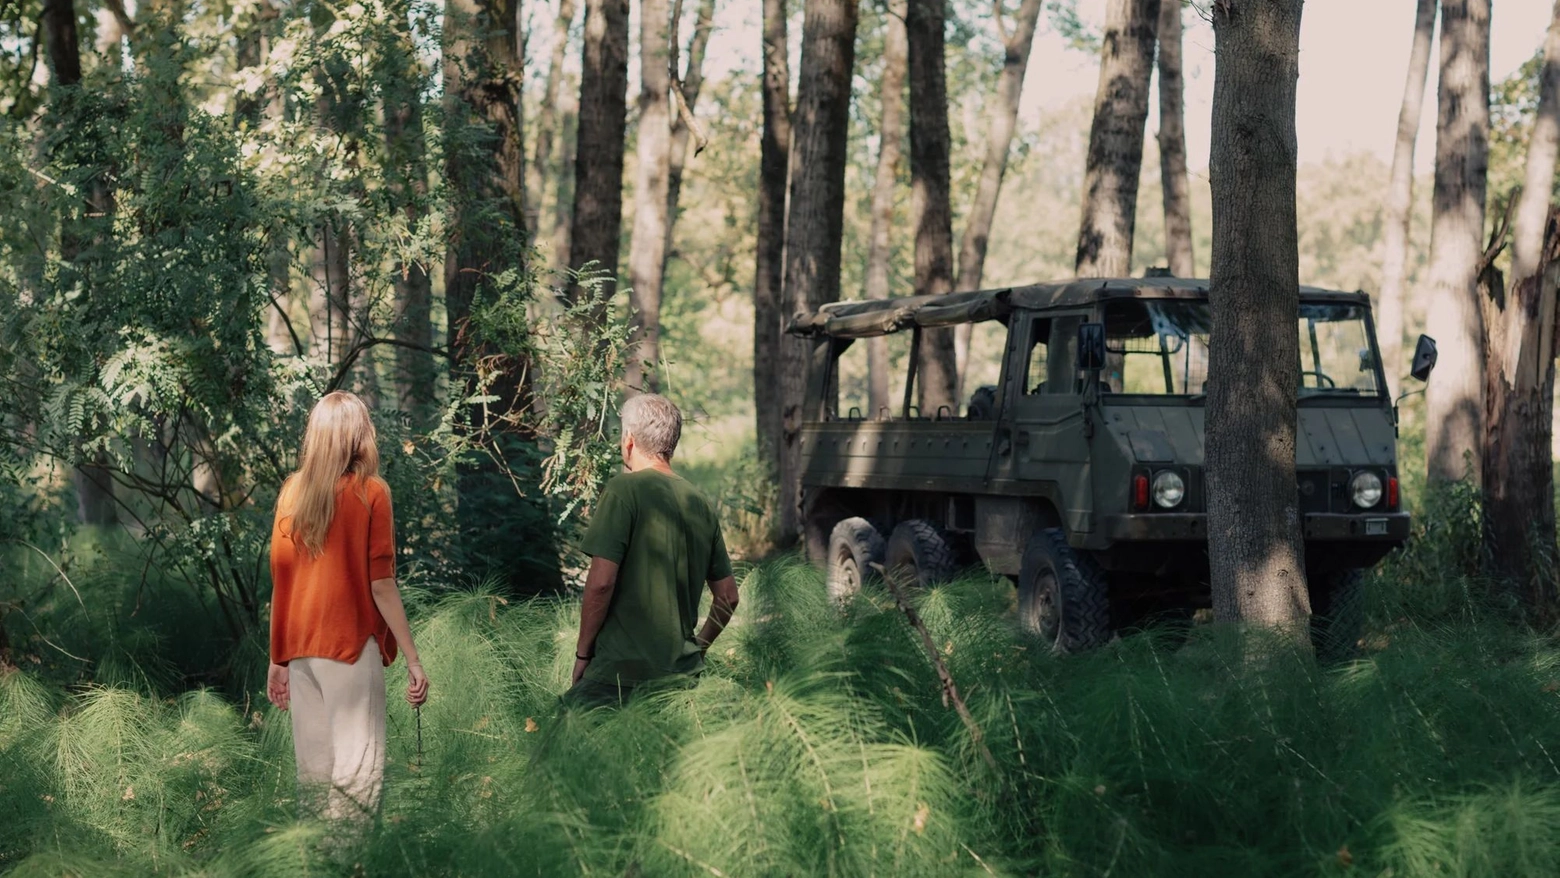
{"x":818,"y":744}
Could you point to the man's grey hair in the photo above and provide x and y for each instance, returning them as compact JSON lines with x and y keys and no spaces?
{"x":654,"y":422}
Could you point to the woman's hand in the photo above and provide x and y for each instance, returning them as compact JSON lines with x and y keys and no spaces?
{"x":416,"y":684}
{"x":276,"y":687}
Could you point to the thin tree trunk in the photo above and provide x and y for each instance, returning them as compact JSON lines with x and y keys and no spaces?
{"x":930,"y":144}
{"x":547,"y":118}
{"x":773,"y":164}
{"x":1254,"y":547}
{"x":597,"y":223}
{"x":999,"y":142}
{"x":1454,"y":400}
{"x":647,"y":249}
{"x":815,"y":219}
{"x":692,"y":83}
{"x":1115,"y":158}
{"x":1519,"y":510}
{"x":563,"y":201}
{"x":1400,"y":198}
{"x":1172,"y":144}
{"x":407,"y":170}
{"x":891,"y":134}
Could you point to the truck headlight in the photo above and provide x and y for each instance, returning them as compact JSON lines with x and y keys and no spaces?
{"x":1169,"y":489}
{"x":1365,"y":490}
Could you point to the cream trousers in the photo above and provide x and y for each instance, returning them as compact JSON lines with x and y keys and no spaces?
{"x":338,"y":723}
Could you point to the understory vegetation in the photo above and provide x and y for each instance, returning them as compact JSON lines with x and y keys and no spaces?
{"x":817,"y":744}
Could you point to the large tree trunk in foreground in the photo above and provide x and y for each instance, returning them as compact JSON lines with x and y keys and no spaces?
{"x":1254,"y":545}
{"x":1400,"y":199}
{"x":647,"y":249}
{"x":1519,"y":510}
{"x":815,"y":219}
{"x":597,"y":223}
{"x":1115,"y":159}
{"x":94,"y":487}
{"x":999,"y":141}
{"x":547,"y":119}
{"x":407,"y":169}
{"x":692,"y":83}
{"x":938,"y":373}
{"x":891,"y":133}
{"x":1455,"y":399}
{"x":773,"y":166}
{"x":1172,"y":144}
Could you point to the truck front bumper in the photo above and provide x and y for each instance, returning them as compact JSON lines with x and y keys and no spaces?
{"x":1390,"y":528}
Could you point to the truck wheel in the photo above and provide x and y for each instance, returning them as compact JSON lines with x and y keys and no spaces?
{"x":1337,"y":613}
{"x":854,"y":546}
{"x":924,"y":547}
{"x":1063,"y":598}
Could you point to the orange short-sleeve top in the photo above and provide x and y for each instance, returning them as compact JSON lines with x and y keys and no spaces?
{"x":322,"y":607}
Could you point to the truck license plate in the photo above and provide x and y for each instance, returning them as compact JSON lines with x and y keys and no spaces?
{"x":1375,"y":527}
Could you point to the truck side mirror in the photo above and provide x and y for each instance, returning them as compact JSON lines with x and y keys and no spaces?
{"x":1091,"y":347}
{"x":1424,"y":358}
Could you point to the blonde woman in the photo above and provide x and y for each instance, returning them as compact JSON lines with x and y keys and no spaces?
{"x":336,"y":614}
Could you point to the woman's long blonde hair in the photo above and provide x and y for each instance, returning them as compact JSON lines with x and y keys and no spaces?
{"x":340,"y":439}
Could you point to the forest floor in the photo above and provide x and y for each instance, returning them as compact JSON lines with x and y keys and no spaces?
{"x":817,"y":744}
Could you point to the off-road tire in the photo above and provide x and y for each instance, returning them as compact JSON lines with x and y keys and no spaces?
{"x":1063,"y":596}
{"x":923,"y":546}
{"x":1337,"y":614}
{"x":854,"y":546}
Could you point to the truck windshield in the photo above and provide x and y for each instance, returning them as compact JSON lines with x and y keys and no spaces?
{"x":1160,"y":348}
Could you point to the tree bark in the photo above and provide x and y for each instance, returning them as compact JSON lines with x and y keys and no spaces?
{"x":1254,"y":547}
{"x":692,"y":83}
{"x":815,"y":219}
{"x":597,"y":223}
{"x":1454,"y":400}
{"x":647,"y":249}
{"x":930,"y":203}
{"x":407,"y":182}
{"x":94,"y":487}
{"x":891,"y":134}
{"x":773,"y":164}
{"x":1400,"y":199}
{"x":547,"y":118}
{"x":999,"y":142}
{"x":1519,"y":510}
{"x":1172,"y":144}
{"x":1115,"y":157}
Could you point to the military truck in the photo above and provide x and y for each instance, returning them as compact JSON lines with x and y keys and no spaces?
{"x":1080,"y":473}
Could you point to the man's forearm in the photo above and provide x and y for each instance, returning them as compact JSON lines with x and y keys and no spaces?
{"x":722,"y":604}
{"x":600,"y":583}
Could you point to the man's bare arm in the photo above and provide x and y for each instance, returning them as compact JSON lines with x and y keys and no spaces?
{"x":723,"y":603}
{"x":600,"y":583}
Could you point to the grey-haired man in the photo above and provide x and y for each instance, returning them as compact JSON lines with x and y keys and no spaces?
{"x":655,"y":544}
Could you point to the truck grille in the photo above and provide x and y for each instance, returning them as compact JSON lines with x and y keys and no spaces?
{"x":1319,"y":487}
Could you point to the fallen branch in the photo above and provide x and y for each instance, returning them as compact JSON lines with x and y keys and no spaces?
{"x":950,"y":690}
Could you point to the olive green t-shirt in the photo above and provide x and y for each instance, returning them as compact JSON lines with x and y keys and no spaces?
{"x":666,"y":539}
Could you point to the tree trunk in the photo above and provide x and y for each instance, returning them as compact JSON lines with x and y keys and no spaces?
{"x":563,"y":201}
{"x":999,"y":141}
{"x":773,"y":164}
{"x":407,"y":182}
{"x":938,"y":372}
{"x":1172,"y":144}
{"x":1115,"y":158}
{"x":1254,"y":546}
{"x":1454,"y":400}
{"x":331,"y":313}
{"x":647,"y":249}
{"x":547,"y":118}
{"x":815,"y":220}
{"x":891,"y":134}
{"x":692,"y":83}
{"x":482,"y":80}
{"x":1519,"y":510}
{"x":1400,"y":199}
{"x":597,"y":223}
{"x":94,"y":487}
